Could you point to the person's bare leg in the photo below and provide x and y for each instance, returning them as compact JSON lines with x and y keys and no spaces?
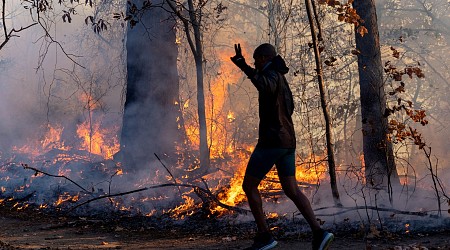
{"x":292,"y":191}
{"x":250,"y":187}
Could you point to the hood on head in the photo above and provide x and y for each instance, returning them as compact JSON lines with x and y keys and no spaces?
{"x":278,"y":64}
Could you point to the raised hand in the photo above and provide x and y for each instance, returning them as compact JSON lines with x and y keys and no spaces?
{"x":238,"y":56}
{"x":237,"y":48}
{"x":239,"y":60}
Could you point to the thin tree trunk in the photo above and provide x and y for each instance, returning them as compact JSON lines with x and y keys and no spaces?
{"x":194,"y":22}
{"x":323,"y":101}
{"x":274,"y":9}
{"x":380,"y":169}
{"x":204,"y":149}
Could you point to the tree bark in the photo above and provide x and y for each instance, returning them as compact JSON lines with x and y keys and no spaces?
{"x":149,"y":120}
{"x":380,"y":169}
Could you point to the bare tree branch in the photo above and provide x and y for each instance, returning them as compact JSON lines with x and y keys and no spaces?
{"x":185,"y":22}
{"x":47,"y":34}
{"x":10,"y":34}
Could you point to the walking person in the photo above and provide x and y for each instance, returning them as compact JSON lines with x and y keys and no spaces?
{"x":276,"y":144}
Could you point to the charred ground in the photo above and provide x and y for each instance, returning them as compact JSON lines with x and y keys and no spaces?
{"x":33,"y":228}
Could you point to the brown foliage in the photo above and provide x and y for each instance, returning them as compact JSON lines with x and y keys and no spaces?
{"x":399,"y":131}
{"x":346,"y":13}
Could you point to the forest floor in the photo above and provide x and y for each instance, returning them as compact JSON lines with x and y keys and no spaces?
{"x":25,"y":230}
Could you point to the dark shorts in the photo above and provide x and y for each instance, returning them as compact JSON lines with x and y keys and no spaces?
{"x":263,"y":159}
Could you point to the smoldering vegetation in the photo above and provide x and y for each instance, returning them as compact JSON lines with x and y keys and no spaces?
{"x":62,"y":114}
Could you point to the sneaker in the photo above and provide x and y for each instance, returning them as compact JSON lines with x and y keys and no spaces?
{"x":263,"y":241}
{"x":322,"y":240}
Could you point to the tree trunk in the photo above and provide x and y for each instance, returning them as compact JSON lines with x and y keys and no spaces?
{"x":274,"y":9}
{"x":204,"y":149}
{"x":380,"y":169}
{"x":195,"y":19}
{"x":323,"y":102}
{"x":192,"y":24}
{"x":149,"y":120}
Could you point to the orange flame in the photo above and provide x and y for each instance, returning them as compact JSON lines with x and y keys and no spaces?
{"x":309,"y":171}
{"x":50,"y":140}
{"x":94,"y":141}
{"x":66,"y":198}
{"x":218,"y":116}
{"x":407,"y":228}
{"x":181,"y":211}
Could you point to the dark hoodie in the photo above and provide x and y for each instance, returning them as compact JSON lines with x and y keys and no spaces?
{"x":276,"y":129}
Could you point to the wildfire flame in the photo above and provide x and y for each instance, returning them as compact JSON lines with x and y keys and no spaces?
{"x":50,"y":140}
{"x":66,"y":197}
{"x":310,"y":170}
{"x":219,"y":116}
{"x":222,"y":122}
{"x":94,"y":140}
{"x":181,"y":211}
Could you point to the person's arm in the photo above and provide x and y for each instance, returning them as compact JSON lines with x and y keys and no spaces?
{"x":266,"y":82}
{"x":239,"y":61}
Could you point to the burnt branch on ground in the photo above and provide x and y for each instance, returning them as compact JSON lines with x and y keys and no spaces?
{"x":203,"y":193}
{"x":170,"y":173}
{"x":24,"y":165}
{"x":375,"y":208}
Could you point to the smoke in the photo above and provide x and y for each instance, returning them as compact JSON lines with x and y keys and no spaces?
{"x":49,"y":90}
{"x":59,"y":93}
{"x":41,"y":84}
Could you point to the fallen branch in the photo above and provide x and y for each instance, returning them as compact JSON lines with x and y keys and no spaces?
{"x":348,"y":209}
{"x":203,"y":190}
{"x":24,"y":165}
{"x":106,"y":196}
{"x":208,"y":195}
{"x":170,"y":173}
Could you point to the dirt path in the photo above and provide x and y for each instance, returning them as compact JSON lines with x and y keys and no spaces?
{"x":66,"y":234}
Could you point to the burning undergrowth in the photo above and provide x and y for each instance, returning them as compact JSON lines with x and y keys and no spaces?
{"x":80,"y":182}
{"x":60,"y":183}
{"x":81,"y":177}
{"x":52,"y":177}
